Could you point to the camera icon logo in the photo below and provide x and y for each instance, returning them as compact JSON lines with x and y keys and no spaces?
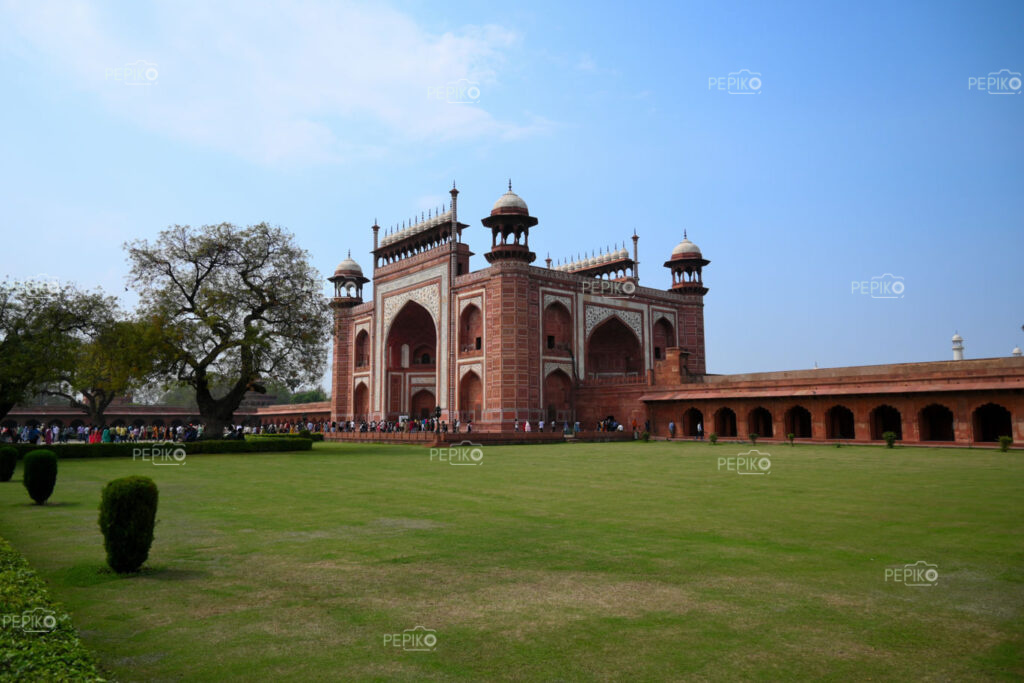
{"x":164,"y":453}
{"x":41,"y":287}
{"x":887,"y":286}
{"x":418,"y":639}
{"x":38,"y":620}
{"x":919,"y":574}
{"x":744,"y":82}
{"x":139,"y":72}
{"x":462,"y":453}
{"x":462,"y":91}
{"x":1004,"y":82}
{"x":753,"y":462}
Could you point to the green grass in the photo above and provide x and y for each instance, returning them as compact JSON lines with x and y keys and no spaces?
{"x":566,"y":562}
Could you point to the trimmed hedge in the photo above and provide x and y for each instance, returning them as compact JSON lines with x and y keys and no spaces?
{"x":8,"y":461}
{"x":125,"y":450}
{"x":40,"y":474}
{"x":127,"y":518}
{"x":54,"y":654}
{"x":315,"y":436}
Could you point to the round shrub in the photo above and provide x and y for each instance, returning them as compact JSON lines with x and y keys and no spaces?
{"x":127,"y":518}
{"x":1004,"y":443}
{"x":40,"y":474}
{"x":713,"y":438}
{"x":890,"y":439}
{"x":8,"y":461}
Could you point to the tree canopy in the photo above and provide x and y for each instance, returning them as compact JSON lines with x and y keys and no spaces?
{"x":239,"y":305}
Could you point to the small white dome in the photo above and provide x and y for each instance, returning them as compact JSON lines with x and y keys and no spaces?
{"x":1017,"y":351}
{"x":686,"y":248}
{"x":957,"y":338}
{"x":510,"y":200}
{"x":348,"y":266}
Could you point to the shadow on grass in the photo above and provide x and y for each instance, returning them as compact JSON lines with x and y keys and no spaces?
{"x":48,"y":504}
{"x":92,"y":574}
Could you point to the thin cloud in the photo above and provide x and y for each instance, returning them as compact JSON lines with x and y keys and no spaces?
{"x":308,"y":82}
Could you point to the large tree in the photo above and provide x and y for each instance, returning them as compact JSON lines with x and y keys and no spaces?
{"x":110,"y":358}
{"x":39,"y":322}
{"x":240,"y":305}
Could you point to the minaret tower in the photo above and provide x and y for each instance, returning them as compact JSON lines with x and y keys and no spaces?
{"x":958,"y":347}
{"x":510,"y":222}
{"x":348,"y":283}
{"x":687,"y":264}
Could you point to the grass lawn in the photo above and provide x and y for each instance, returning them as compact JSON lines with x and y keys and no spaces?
{"x":566,"y":562}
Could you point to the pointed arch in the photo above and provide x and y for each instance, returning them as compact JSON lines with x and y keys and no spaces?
{"x":613,"y":348}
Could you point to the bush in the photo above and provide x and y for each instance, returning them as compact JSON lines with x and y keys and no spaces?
{"x":1004,"y":443}
{"x":713,"y":438}
{"x":55,"y":653}
{"x":40,"y":474}
{"x":754,"y":437}
{"x":791,"y":436}
{"x":8,"y":461}
{"x":646,"y":436}
{"x":127,"y":450}
{"x":890,"y":439}
{"x":315,"y":436}
{"x":127,"y":518}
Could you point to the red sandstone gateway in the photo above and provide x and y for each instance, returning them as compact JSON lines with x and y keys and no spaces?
{"x":583,"y":340}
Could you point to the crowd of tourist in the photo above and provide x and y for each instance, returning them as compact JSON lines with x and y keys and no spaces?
{"x":39,"y":434}
{"x":52,"y":434}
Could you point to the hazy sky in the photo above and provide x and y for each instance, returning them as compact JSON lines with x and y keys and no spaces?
{"x":867,"y":149}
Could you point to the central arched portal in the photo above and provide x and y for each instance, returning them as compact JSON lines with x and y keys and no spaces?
{"x":410,"y":363}
{"x":614,"y":349}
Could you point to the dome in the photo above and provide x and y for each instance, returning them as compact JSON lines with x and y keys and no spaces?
{"x":510,"y":202}
{"x":686,"y":248}
{"x":348,"y":266}
{"x":957,"y":338}
{"x":1016,"y":351}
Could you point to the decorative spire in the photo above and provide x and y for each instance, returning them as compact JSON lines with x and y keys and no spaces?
{"x":509,"y":184}
{"x":684,"y":234}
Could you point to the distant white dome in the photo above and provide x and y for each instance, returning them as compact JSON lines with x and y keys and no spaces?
{"x":1017,"y":351}
{"x":348,"y":266}
{"x":509,"y":200}
{"x":957,"y":338}
{"x":686,"y":248}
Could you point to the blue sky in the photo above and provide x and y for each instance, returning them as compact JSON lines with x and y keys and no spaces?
{"x":864,"y":153}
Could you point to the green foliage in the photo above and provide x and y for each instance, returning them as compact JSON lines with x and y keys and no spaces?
{"x":754,"y":436}
{"x":38,"y":322}
{"x":1004,"y":443}
{"x":52,"y":655}
{"x":128,"y":450}
{"x":313,"y":436}
{"x":890,"y":439}
{"x":791,"y":436}
{"x":40,"y":474}
{"x":646,"y":436}
{"x":253,"y":290}
{"x":312,"y":396}
{"x":127,"y":518}
{"x":8,"y":461}
{"x":839,"y":444}
{"x":713,"y":438}
{"x":111,"y":356}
